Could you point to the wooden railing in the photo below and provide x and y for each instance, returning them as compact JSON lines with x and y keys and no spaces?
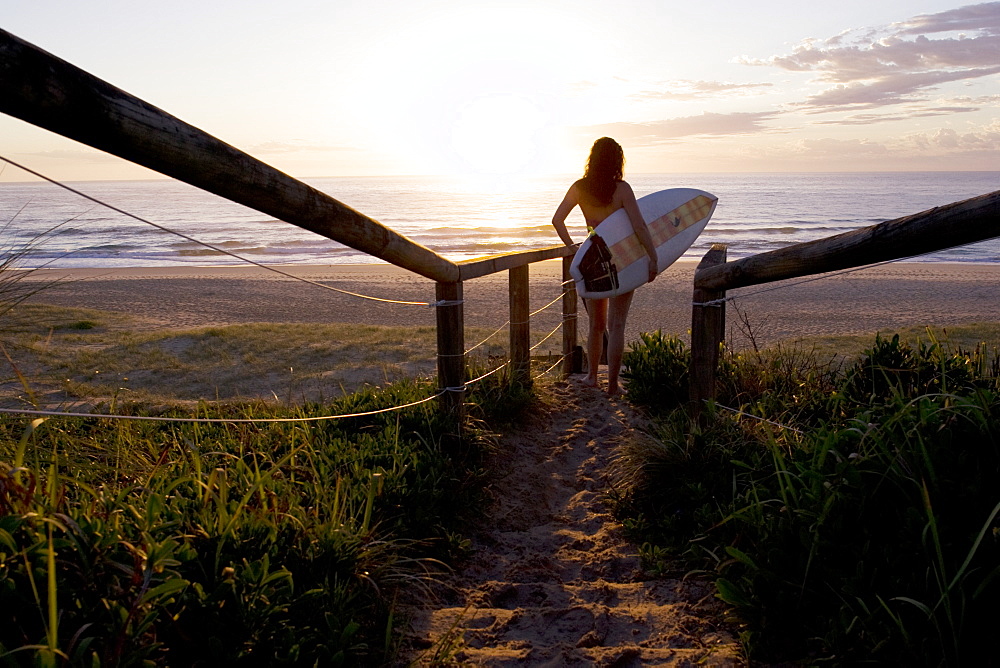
{"x":451,"y":330}
{"x":956,"y":224}
{"x":46,"y":91}
{"x":43,"y":90}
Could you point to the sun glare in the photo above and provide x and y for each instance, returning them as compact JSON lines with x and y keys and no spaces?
{"x":496,"y":134}
{"x":448,"y":92}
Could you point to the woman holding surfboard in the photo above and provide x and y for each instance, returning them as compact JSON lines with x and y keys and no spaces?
{"x":600,"y":193}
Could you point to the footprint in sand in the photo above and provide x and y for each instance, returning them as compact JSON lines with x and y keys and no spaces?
{"x":560,"y":586}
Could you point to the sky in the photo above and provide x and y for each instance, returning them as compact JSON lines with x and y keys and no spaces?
{"x":391,"y":87}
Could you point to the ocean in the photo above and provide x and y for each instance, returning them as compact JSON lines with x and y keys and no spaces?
{"x":44,"y":225}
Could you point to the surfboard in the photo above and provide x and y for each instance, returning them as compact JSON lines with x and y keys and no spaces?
{"x":612,"y":260}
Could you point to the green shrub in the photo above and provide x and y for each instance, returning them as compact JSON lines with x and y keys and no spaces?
{"x":657,"y":370}
{"x":124,"y":543}
{"x":868,"y":533}
{"x":895,"y":368}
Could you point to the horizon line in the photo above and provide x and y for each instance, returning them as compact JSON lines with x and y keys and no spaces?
{"x":158,"y":178}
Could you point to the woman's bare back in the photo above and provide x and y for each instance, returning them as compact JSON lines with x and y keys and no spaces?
{"x":595,"y":212}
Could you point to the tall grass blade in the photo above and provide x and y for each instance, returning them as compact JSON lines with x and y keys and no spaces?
{"x":23,"y":445}
{"x":20,"y":377}
{"x":972,"y":553}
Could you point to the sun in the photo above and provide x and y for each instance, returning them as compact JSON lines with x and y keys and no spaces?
{"x":497,"y":134}
{"x":447,"y":92}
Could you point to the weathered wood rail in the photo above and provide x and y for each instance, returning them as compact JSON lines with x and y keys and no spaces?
{"x":38,"y":87}
{"x":956,"y":224}
{"x":46,"y":91}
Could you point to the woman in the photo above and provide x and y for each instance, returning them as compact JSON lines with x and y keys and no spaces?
{"x":600,"y":193}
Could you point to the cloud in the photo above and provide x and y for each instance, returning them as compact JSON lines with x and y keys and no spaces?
{"x":984,"y":100}
{"x":656,"y":132}
{"x":884,"y":91}
{"x":693,"y":90}
{"x":984,"y":17}
{"x":950,"y":140}
{"x":899,"y":63}
{"x":871,"y":119}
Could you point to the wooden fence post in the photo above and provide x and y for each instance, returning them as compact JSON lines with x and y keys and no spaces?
{"x":451,"y":345}
{"x":708,"y":330}
{"x":571,"y":360}
{"x":520,"y":328}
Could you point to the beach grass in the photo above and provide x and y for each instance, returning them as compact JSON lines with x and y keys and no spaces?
{"x":128,"y":543}
{"x":75,"y":354}
{"x":849,"y":512}
{"x":236,"y":518}
{"x":850,"y":346}
{"x":264,"y":543}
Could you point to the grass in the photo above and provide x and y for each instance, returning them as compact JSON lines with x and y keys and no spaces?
{"x":129,"y":543}
{"x":13,"y":288}
{"x":144,"y":543}
{"x":72,"y":353}
{"x":850,"y":346}
{"x":125,"y":543}
{"x":860,"y":523}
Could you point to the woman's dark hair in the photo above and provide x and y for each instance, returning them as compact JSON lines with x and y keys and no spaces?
{"x":605,"y":168}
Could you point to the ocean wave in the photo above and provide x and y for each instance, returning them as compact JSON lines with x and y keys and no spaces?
{"x":779,"y":231}
{"x":182,"y":246}
{"x":304,"y":244}
{"x":756,"y":213}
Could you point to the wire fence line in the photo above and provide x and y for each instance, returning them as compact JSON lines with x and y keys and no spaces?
{"x":151,"y":418}
{"x":223,"y":251}
{"x":530,"y":315}
{"x":462,"y":388}
{"x":546,"y":337}
{"x":841,"y":272}
{"x":439,"y":393}
{"x":549,"y":370}
{"x":320,"y":418}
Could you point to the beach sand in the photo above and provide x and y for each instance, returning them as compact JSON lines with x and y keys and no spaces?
{"x":880,"y":298}
{"x":552,"y":579}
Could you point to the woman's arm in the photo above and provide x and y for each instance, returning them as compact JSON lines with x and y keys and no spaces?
{"x":631,"y":207}
{"x":559,"y":218}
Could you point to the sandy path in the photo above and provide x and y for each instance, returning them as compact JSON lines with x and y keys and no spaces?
{"x":552,"y":581}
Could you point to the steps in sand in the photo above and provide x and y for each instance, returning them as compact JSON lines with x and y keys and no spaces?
{"x":552,"y":580}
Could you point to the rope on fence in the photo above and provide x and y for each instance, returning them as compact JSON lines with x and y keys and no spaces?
{"x":149,"y":418}
{"x":723,"y":300}
{"x":549,"y":370}
{"x":500,"y":329}
{"x":440,"y":303}
{"x":546,"y":337}
{"x":561,"y":295}
{"x":503,"y":326}
{"x":223,"y":250}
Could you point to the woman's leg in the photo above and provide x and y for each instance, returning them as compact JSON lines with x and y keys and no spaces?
{"x":617,"y":313}
{"x":597,"y":314}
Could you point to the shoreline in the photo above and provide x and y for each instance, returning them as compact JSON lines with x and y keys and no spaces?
{"x":877,"y":298}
